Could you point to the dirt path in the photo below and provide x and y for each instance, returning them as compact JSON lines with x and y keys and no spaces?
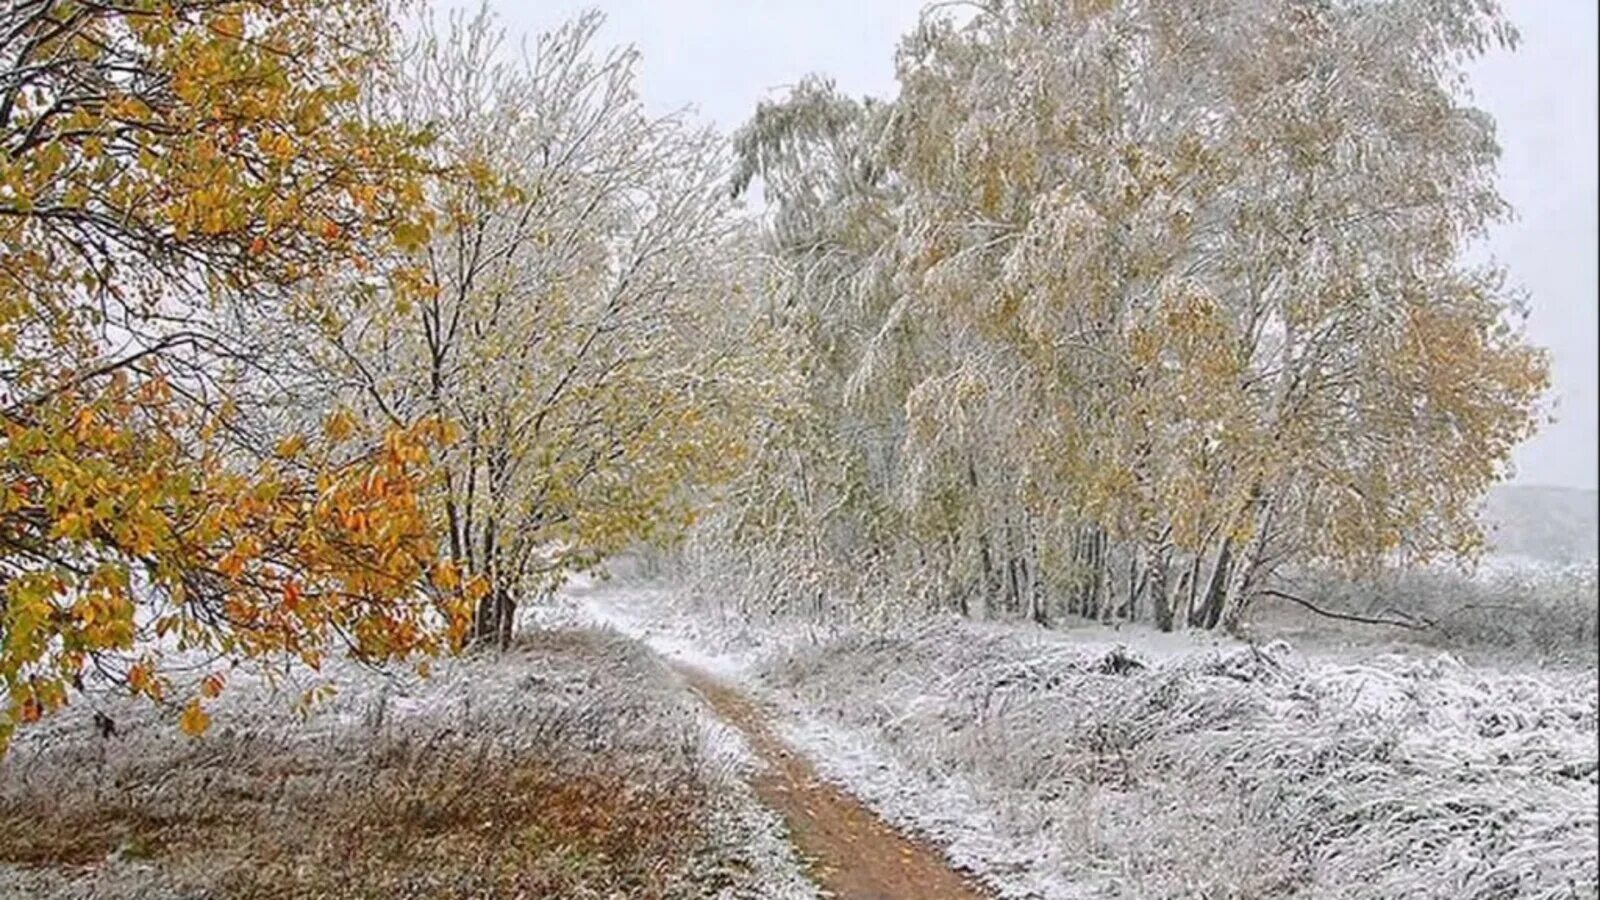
{"x":853,"y":854}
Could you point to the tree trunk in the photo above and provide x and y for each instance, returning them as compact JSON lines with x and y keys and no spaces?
{"x":1130,"y":603}
{"x":962,"y":589}
{"x":1008,"y":585}
{"x":508,"y":621}
{"x":1099,"y":545}
{"x":1087,"y":575}
{"x":992,"y":581}
{"x":1209,"y":612}
{"x":493,"y":619}
{"x":1238,"y":594}
{"x":1034,"y":588}
{"x":1160,"y":600}
{"x":1191,"y":585}
{"x":1077,"y":564}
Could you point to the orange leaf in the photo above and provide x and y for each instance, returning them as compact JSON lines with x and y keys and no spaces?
{"x":138,"y":678}
{"x":447,"y":577}
{"x":211,"y":686}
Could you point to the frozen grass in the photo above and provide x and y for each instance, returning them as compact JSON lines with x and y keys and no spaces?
{"x":573,"y":767}
{"x":1064,"y":765}
{"x":1512,"y":613}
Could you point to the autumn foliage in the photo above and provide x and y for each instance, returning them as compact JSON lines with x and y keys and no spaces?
{"x":1123,"y":310}
{"x":168,"y":167}
{"x":583,"y":317}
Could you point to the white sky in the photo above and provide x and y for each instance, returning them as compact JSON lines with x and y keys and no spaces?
{"x":722,"y":56}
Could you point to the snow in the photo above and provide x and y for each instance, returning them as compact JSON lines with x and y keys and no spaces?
{"x":944,"y":810}
{"x":566,"y":694}
{"x":611,"y":610}
{"x":1194,"y":765}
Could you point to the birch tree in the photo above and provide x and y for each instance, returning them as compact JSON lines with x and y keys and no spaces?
{"x":809,"y":511}
{"x":1175,"y":292}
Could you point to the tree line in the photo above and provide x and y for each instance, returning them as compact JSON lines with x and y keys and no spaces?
{"x":1118,"y":309}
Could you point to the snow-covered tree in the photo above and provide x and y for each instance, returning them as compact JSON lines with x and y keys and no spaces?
{"x":1151,"y":299}
{"x":579,"y":316}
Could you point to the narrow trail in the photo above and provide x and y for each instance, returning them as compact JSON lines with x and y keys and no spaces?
{"x":853,"y":854}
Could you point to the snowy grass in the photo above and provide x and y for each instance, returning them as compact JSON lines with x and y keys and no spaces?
{"x":1129,"y":764}
{"x":1510,"y":612}
{"x":573,"y":766}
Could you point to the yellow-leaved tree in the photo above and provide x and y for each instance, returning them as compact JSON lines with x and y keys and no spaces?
{"x":167,"y":166}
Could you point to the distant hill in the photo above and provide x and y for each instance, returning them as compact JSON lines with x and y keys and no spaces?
{"x":1544,"y":523}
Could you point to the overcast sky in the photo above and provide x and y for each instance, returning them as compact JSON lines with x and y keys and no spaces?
{"x":722,"y":56}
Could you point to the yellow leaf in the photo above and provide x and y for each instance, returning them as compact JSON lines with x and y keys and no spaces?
{"x":290,"y":446}
{"x":410,"y":236}
{"x":447,"y":577}
{"x":340,"y":425}
{"x":194,"y":721}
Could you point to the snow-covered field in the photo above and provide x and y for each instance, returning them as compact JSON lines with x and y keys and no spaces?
{"x":573,"y":766}
{"x":1081,"y":762}
{"x":1101,"y":763}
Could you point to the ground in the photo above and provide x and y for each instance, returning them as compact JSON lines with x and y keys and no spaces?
{"x":575,"y":766}
{"x":636,"y":742}
{"x":850,"y":850}
{"x":1094,"y":762}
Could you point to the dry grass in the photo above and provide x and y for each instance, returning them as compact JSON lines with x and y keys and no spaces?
{"x":1542,"y":615}
{"x":569,"y":768}
{"x":1239,"y":773}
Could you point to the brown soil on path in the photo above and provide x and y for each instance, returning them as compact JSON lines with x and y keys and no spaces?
{"x":853,"y":854}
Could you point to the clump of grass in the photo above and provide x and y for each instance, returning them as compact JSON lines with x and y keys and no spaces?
{"x":566,"y":768}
